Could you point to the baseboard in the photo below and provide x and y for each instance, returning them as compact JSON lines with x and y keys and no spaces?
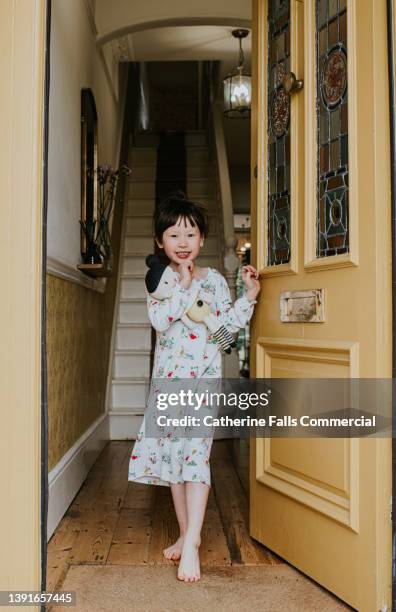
{"x":66,"y":478}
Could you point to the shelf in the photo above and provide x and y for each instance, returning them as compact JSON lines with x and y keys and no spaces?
{"x":95,"y":270}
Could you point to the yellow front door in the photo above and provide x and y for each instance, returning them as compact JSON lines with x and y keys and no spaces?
{"x":321,"y":221}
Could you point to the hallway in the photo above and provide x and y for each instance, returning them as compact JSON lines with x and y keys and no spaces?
{"x":113,"y":525}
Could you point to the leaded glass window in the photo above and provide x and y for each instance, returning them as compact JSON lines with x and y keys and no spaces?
{"x":278,"y":133}
{"x":332,"y":133}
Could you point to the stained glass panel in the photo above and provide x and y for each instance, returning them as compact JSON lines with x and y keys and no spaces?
{"x":278,"y":133}
{"x":332,"y":138}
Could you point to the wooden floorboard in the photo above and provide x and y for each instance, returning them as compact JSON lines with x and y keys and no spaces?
{"x":234,"y":510}
{"x":113,"y":521}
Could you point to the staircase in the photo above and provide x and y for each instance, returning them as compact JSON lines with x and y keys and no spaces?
{"x":130,"y":362}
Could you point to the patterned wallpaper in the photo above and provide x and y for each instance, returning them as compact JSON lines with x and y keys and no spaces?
{"x":78,"y":325}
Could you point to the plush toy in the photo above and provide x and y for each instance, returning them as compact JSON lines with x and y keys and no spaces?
{"x":160,"y":279}
{"x":200,"y":313}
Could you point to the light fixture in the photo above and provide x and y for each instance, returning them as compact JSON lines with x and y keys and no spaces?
{"x":237,"y":85}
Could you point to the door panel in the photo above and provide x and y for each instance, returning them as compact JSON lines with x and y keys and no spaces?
{"x":323,"y":504}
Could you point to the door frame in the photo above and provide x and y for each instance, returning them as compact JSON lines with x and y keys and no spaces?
{"x":23,"y":30}
{"x":391,"y":34}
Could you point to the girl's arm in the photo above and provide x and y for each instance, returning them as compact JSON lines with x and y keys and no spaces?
{"x":162,"y":313}
{"x":233,"y":317}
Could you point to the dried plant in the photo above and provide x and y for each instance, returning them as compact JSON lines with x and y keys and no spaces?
{"x":97,"y":231}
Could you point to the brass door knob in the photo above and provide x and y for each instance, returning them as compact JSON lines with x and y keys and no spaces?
{"x":291,"y":83}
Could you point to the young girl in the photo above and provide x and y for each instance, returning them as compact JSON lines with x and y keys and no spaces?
{"x":180,"y":228}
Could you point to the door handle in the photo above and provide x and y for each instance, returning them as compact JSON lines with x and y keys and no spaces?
{"x":291,"y":83}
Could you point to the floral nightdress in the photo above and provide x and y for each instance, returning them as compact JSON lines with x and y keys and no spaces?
{"x":183,"y":353}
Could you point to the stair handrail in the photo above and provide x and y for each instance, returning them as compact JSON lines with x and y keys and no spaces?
{"x":230,"y":257}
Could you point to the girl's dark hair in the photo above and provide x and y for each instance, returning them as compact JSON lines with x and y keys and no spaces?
{"x":175,"y":206}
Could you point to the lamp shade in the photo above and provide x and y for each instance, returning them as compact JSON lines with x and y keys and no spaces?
{"x":237,"y":94}
{"x":237,"y":84}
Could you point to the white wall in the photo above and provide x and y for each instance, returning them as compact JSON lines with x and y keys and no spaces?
{"x":75,"y":63}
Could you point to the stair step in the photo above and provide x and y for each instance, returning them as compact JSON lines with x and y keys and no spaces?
{"x":125,"y":380}
{"x":138,"y":244}
{"x":139,"y":189}
{"x":140,"y":206}
{"x":144,"y":172}
{"x":197,"y":138}
{"x":133,"y":276}
{"x":133,"y":286}
{"x":134,"y":220}
{"x":134,"y":264}
{"x":201,"y":171}
{"x":146,"y":139}
{"x":136,"y":336}
{"x":142,"y":155}
{"x":197,"y":154}
{"x":146,"y":189}
{"x":136,"y":362}
{"x":129,"y":393}
{"x":133,"y":311}
{"x":200,"y":188}
{"x":139,"y":351}
{"x":138,"y":225}
{"x":134,"y":325}
{"x":152,"y":139}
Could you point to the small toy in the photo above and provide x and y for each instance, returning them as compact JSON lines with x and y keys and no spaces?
{"x":200,"y":313}
{"x":160,"y":279}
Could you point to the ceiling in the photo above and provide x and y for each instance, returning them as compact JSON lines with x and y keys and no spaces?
{"x":179,"y":43}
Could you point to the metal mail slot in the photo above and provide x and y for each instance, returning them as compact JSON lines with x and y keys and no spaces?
{"x":302,"y":306}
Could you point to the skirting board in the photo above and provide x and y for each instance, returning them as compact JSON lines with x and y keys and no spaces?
{"x":68,"y":475}
{"x":66,"y":478}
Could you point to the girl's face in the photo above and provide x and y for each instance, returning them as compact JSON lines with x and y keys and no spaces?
{"x":181,"y":241}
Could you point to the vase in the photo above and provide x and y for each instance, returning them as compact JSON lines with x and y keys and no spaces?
{"x":92,"y":255}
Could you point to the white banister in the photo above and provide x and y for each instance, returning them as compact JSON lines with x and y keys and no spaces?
{"x":230,"y":257}
{"x":231,"y":260}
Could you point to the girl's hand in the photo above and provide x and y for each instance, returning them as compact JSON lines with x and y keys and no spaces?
{"x":186,"y":270}
{"x":250,"y":278}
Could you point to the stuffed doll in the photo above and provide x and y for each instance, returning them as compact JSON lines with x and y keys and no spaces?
{"x":200,"y":313}
{"x":160,"y":279}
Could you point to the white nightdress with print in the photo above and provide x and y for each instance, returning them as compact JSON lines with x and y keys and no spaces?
{"x":183,"y":353}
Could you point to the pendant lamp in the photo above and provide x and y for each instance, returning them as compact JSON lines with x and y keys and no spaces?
{"x":237,"y":85}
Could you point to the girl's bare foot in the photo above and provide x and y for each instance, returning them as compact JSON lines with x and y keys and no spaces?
{"x":189,"y":570}
{"x":174,"y":552}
